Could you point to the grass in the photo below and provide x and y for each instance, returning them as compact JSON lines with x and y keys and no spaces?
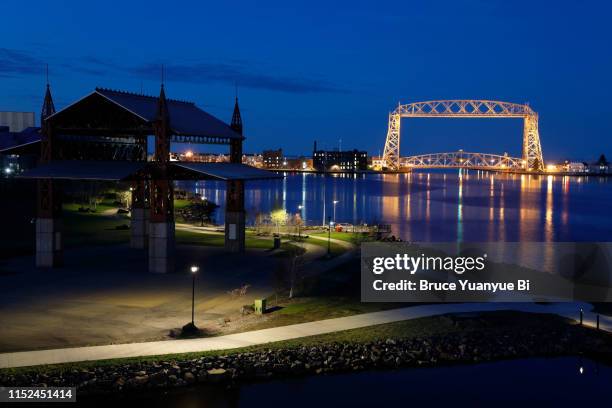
{"x":351,"y":237}
{"x":335,"y":248}
{"x":82,"y":229}
{"x":487,"y":323}
{"x":213,"y":239}
{"x":86,"y":228}
{"x":304,"y":310}
{"x":180,"y":203}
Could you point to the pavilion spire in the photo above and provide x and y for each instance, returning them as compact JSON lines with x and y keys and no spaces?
{"x":236,"y":124}
{"x":162,"y":106}
{"x":48,"y":107}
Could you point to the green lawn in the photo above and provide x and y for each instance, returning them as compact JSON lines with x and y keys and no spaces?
{"x":180,"y":203}
{"x":353,"y":238}
{"x":302,"y":310}
{"x":335,"y":248}
{"x":102,"y":228}
{"x":212,"y":239}
{"x":81,"y":229}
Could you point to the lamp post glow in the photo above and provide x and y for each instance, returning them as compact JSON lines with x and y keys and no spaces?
{"x":194,"y":270}
{"x":335,"y":202}
{"x":300,"y":221}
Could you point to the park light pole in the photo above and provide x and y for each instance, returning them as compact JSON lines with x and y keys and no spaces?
{"x":330,"y":222}
{"x":194,"y":271}
{"x":300,"y":222}
{"x":335,"y":202}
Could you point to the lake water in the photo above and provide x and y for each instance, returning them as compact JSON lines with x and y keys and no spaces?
{"x":567,"y":381}
{"x":469,"y":206}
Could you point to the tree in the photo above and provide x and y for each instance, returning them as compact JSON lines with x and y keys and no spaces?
{"x":295,"y":269}
{"x":602,"y":160}
{"x":279,"y":217}
{"x":201,"y":210}
{"x":260,"y":219}
{"x":296,"y":222}
{"x":289,"y":271}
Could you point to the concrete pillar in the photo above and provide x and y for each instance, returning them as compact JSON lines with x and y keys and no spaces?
{"x":161,"y":247}
{"x":49,"y":242}
{"x":138,"y":228}
{"x":139,"y":217}
{"x":234,"y":231}
{"x":235,"y":216}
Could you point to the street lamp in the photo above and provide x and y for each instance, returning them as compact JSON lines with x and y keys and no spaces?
{"x":300,"y":222}
{"x":194,"y":271}
{"x":331,"y":223}
{"x":335,"y":202}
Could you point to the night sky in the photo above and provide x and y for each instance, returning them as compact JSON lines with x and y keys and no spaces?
{"x":312,"y":70}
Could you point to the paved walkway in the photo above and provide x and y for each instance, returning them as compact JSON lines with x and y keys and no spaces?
{"x":69,"y":355}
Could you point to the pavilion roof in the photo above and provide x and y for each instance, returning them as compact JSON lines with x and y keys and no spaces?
{"x":186,"y":118}
{"x":98,"y":170}
{"x":224,"y":171}
{"x":125,"y":170}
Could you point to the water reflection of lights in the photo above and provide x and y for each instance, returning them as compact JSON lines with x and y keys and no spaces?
{"x":421,"y":205}
{"x":460,"y":211}
{"x":548,"y":227}
{"x":428,"y":198}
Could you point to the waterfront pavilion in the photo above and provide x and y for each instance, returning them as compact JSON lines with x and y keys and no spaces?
{"x":104,"y":136}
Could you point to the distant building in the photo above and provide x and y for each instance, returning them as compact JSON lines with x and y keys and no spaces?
{"x":297,"y":163}
{"x":337,"y":160}
{"x":377,"y":162}
{"x":17,"y":121}
{"x":255,"y":160}
{"x":19,"y":151}
{"x":577,"y":167}
{"x":273,"y":159}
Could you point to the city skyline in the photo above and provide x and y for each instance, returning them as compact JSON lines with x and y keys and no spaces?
{"x":302,"y":73}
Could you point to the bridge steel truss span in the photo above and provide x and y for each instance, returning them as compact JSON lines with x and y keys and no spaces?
{"x":532,"y":159}
{"x":461,"y":159}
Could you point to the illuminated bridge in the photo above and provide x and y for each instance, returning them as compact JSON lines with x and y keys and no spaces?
{"x":463,"y":160}
{"x":531,"y":159}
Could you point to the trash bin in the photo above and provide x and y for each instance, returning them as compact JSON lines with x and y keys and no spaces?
{"x":277,"y":241}
{"x":260,"y":306}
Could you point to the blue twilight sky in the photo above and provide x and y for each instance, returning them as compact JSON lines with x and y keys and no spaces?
{"x":329,"y":70}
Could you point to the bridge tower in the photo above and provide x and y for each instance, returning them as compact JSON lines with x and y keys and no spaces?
{"x":391,"y":154}
{"x":532,"y":149}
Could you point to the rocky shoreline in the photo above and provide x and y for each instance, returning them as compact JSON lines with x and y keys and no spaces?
{"x":470,"y":347}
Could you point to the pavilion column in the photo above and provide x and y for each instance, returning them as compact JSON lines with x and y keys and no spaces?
{"x":161,"y":228}
{"x":234,"y":205}
{"x":139,"y":216}
{"x":49,"y":242}
{"x":235,"y":216}
{"x":161,"y":225}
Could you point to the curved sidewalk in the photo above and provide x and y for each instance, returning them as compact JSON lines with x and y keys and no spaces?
{"x":71,"y":355}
